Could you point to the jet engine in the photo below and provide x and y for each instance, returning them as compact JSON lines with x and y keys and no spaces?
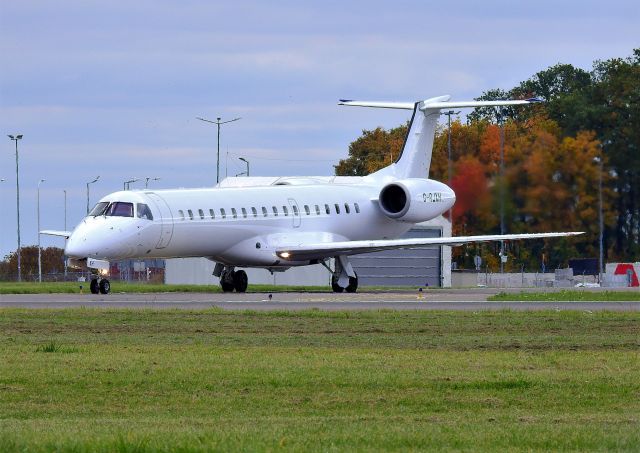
{"x":415,"y":200}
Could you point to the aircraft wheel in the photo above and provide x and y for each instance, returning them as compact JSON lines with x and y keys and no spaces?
{"x":105,"y":286}
{"x":353,"y":284}
{"x":240,"y":281}
{"x":94,"y":286}
{"x":227,"y":286}
{"x":334,"y":285}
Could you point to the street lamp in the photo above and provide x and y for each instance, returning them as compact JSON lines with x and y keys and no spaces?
{"x":91,"y":182}
{"x":146,"y":181}
{"x":15,"y":138}
{"x":39,"y":248}
{"x":598,"y":160}
{"x":246,"y":162}
{"x":449,"y":161}
{"x":500,"y":114}
{"x":218,"y":123}
{"x":127,"y":184}
{"x":64,"y":258}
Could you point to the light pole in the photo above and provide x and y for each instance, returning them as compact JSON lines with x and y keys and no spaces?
{"x":598,"y":160}
{"x":39,"y":248}
{"x":246,"y":162}
{"x":501,"y":122}
{"x":127,"y":184}
{"x":449,"y":161}
{"x":146,"y":181}
{"x":15,"y":138}
{"x":90,"y":182}
{"x":218,"y":123}
{"x":64,"y":258}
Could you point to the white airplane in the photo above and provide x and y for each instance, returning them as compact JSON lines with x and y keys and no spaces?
{"x":278,"y":223}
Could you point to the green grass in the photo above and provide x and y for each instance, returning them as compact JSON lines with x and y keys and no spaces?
{"x":142,"y":381}
{"x":569,"y":295}
{"x":74,"y":287}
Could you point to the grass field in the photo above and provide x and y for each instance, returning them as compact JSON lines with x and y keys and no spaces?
{"x":137,"y":381}
{"x":569,"y":295}
{"x":74,"y":287}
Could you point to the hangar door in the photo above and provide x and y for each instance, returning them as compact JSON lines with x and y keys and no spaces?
{"x":408,"y":267}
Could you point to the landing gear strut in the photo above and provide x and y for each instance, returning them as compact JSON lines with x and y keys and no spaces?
{"x":343,"y":278}
{"x":99,"y":285}
{"x":230,"y":280}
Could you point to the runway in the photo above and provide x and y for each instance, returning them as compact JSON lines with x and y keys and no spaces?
{"x":472,"y":300}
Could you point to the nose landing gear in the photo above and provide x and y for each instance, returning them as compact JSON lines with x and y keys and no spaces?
{"x":100,"y":285}
{"x":230,"y":280}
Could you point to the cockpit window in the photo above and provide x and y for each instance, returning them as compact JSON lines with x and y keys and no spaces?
{"x":144,"y":212}
{"x":120,"y":209}
{"x":99,"y":208}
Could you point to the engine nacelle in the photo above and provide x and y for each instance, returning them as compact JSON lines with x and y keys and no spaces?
{"x":415,"y":200}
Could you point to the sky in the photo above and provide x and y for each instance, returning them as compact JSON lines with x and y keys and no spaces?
{"x":113,"y":88}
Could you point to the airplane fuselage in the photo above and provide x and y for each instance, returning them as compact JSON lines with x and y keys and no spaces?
{"x":239,"y":226}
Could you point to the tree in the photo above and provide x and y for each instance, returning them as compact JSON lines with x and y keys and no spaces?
{"x":372,"y":151}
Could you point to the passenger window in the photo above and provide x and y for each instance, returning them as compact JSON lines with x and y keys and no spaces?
{"x":346,"y":208}
{"x":355,"y":205}
{"x":181,"y":213}
{"x":244,"y":213}
{"x":326,"y":209}
{"x":201,"y":212}
{"x":212,"y":214}
{"x":295,"y":210}
{"x":265,"y":213}
{"x":317,"y":210}
{"x":223,"y":213}
{"x":120,"y":209}
{"x":190,"y":213}
{"x":275,"y":211}
{"x":306,"y":209}
{"x":337,"y":208}
{"x":234,"y":213}
{"x":144,"y":212}
{"x":99,"y":209}
{"x":285,"y":210}
{"x":254,"y":211}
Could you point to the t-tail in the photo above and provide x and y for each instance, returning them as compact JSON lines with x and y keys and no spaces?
{"x":415,"y":158}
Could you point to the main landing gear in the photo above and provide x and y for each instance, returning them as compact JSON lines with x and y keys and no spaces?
{"x":343,"y":277}
{"x":231,"y":279}
{"x":99,"y":285}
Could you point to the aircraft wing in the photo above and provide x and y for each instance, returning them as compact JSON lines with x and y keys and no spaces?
{"x":301,"y":252}
{"x":64,"y":234}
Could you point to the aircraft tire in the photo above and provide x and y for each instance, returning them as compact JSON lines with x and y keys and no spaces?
{"x":94,"y":287}
{"x":334,"y":285}
{"x":227,"y":286}
{"x":353,"y":284}
{"x":240,"y":281}
{"x":105,"y":286}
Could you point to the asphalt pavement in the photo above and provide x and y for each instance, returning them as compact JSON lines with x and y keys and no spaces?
{"x":458,"y":300}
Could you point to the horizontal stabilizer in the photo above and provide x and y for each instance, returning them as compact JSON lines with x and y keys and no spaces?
{"x":324,"y":250}
{"x":441,"y":102}
{"x":64,"y":234}
{"x":379,"y":105}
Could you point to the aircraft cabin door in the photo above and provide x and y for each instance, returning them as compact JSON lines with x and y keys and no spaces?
{"x":296,"y":212}
{"x":166,"y":219}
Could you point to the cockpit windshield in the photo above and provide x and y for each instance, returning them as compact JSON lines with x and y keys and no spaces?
{"x":99,"y":208}
{"x":120,"y":209}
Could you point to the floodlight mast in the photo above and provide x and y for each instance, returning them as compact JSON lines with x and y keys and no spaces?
{"x":218,"y":123}
{"x":90,"y":182}
{"x":15,"y":138}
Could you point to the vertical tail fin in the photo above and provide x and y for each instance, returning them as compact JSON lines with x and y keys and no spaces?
{"x":415,"y":158}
